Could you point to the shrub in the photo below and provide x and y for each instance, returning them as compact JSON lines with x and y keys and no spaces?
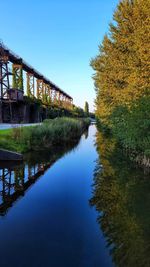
{"x":132,"y":126}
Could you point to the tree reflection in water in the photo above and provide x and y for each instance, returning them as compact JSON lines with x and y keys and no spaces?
{"x":121,"y":195}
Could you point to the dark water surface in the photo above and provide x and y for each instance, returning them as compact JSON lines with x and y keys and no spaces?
{"x":52,"y":224}
{"x":79,"y":206}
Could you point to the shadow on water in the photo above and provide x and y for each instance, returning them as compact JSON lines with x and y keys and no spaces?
{"x":121,"y":195}
{"x":16,"y":178}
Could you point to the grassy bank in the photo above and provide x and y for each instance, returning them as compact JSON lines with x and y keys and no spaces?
{"x":51,"y":133}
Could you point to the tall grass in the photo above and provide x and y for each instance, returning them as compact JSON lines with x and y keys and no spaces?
{"x":54,"y":132}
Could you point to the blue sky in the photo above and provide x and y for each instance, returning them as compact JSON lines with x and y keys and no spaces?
{"x":58,"y":37}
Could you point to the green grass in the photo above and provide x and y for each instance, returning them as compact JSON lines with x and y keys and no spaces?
{"x":7,"y":142}
{"x":51,"y":133}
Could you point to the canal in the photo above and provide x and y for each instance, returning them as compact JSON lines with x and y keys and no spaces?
{"x":80,"y":206}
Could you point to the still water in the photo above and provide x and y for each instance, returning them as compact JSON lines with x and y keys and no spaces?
{"x":78,"y":206}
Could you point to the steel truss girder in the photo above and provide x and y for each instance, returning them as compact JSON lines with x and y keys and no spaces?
{"x":19,"y":65}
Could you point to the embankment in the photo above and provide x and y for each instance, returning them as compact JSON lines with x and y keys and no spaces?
{"x":56,"y":132}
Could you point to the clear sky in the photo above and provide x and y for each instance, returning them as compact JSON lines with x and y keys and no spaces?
{"x":58,"y":37}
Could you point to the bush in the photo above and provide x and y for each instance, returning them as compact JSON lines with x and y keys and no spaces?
{"x":132,"y":126}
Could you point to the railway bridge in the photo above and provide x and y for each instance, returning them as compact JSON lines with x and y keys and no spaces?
{"x":26,"y":95}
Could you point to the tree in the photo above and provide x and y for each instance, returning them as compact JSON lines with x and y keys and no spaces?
{"x":78,"y":112}
{"x":122,"y":71}
{"x":122,"y":66}
{"x":86,"y":109}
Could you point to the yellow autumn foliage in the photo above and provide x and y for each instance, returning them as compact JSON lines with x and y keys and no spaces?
{"x":122,"y":68}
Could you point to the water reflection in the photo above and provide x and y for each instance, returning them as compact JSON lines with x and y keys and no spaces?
{"x":86,"y":133}
{"x":15,"y":178}
{"x":121,"y":195}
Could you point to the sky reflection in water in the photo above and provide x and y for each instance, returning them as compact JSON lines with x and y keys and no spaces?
{"x":52,"y":223}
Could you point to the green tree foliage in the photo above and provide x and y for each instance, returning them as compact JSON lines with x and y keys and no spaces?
{"x":132,"y":126}
{"x":78,"y":112}
{"x":122,"y":68}
{"x":86,"y":109}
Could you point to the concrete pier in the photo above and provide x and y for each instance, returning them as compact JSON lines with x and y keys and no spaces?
{"x":6,"y":155}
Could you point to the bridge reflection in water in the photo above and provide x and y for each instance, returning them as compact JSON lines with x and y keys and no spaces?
{"x":15,"y":179}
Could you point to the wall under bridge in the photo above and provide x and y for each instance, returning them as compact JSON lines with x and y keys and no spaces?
{"x":32,"y":112}
{"x":20,"y":112}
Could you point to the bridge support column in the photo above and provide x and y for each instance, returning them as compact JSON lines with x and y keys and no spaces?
{"x":1,"y":112}
{"x":61,"y":98}
{"x":40,"y":88}
{"x":4,"y":75}
{"x":57,"y":98}
{"x":54,"y":96}
{"x":30,"y":85}
{"x":48,"y":94}
{"x":65,"y":102}
{"x":17,"y":72}
{"x":44,"y":96}
{"x":51,"y":95}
